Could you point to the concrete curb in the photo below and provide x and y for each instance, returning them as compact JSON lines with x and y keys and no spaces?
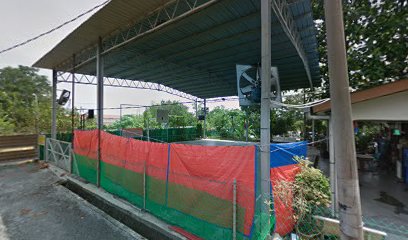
{"x":136,"y":219}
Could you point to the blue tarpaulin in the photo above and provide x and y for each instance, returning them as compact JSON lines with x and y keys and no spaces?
{"x":282,"y":153}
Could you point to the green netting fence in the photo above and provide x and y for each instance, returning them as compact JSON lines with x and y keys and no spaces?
{"x":210,"y":216}
{"x":199,"y":205}
{"x":212,"y":219}
{"x":172,"y":134}
{"x":155,"y":135}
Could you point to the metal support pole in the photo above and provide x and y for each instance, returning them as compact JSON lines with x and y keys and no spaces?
{"x":99,"y":75}
{"x":304,"y":117}
{"x":70,"y":158}
{"x":234,"y":210}
{"x":120,"y":118}
{"x":205,"y":119}
{"x":265,"y":105}
{"x":313,"y":131}
{"x":332,"y":162}
{"x":73,"y":99}
{"x":332,"y":169}
{"x":54,"y":105}
{"x":144,"y":186}
{"x":196,"y":109}
{"x":246,"y":126}
{"x":148,"y":128}
{"x":36,"y":112}
{"x":351,"y":225}
{"x":167,"y":126}
{"x":46,"y":149}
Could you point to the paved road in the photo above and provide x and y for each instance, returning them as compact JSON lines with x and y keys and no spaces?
{"x":33,"y":205}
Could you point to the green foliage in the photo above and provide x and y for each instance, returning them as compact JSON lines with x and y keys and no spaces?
{"x":307,"y":194}
{"x":366,"y":135}
{"x":5,"y":126}
{"x":376,"y":40}
{"x":229,"y":123}
{"x":310,"y":190}
{"x":25,"y":102}
{"x":179,"y":116}
{"x":128,"y":121}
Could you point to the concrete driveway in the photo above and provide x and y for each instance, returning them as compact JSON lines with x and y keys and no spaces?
{"x":33,"y":205}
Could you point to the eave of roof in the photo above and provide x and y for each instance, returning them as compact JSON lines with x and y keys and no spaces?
{"x":368,"y":94}
{"x":196,"y":54}
{"x":115,"y":15}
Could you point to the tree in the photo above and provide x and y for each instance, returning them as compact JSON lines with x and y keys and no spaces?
{"x":5,"y":126}
{"x":128,"y":121}
{"x":179,"y":116}
{"x":25,"y":102}
{"x":229,"y":123}
{"x":19,"y":88}
{"x":376,"y":41}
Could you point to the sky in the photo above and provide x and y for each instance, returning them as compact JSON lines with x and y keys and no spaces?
{"x":24,"y":19}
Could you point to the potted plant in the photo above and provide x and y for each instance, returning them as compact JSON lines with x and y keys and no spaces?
{"x":307,"y":194}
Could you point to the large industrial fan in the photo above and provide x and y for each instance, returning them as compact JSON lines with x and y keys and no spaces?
{"x":249,"y":84}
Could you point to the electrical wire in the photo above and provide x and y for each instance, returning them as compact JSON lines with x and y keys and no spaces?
{"x":55,"y":28}
{"x":300,"y":106}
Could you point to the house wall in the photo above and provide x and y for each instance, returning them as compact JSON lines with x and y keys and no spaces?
{"x":388,"y":108}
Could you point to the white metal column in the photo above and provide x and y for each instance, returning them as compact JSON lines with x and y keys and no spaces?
{"x":265,"y":102}
{"x":99,"y":75}
{"x":73,"y":98}
{"x":54,"y":105}
{"x":348,"y":194}
{"x":332,"y":163}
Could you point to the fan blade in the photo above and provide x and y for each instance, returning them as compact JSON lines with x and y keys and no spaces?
{"x":246,"y":90}
{"x":248,"y":78}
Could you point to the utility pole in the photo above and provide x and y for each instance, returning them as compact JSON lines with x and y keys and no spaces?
{"x":266,"y":12}
{"x":349,"y":205}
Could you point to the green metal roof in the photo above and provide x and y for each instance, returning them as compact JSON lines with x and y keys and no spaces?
{"x":192,"y":48}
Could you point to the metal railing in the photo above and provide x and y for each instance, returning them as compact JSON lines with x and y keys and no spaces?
{"x":59,"y":153}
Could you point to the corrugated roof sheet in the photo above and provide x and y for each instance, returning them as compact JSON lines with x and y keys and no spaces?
{"x":198,"y":53}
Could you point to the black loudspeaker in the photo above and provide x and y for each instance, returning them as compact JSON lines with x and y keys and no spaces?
{"x":91,"y":114}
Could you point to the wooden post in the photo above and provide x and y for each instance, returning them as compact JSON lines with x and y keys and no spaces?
{"x":349,"y":205}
